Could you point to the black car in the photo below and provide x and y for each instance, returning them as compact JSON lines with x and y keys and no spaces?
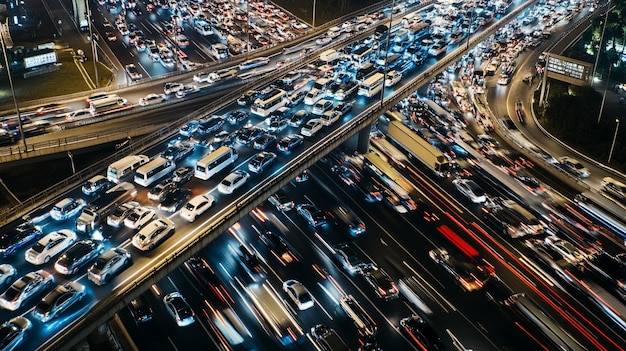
{"x":248,"y":97}
{"x":200,"y":270}
{"x":12,"y":240}
{"x":289,"y":143}
{"x":249,"y":135}
{"x":77,"y":256}
{"x":182,"y":175}
{"x":12,"y":332}
{"x":421,"y":333}
{"x":209,"y":125}
{"x":382,"y":284}
{"x":174,"y":200}
{"x":265,"y":141}
{"x":250,"y":258}
{"x":178,"y":152}
{"x":140,"y":310}
{"x":236,"y":117}
{"x":299,"y":118}
{"x":343,"y":107}
{"x":296,"y":98}
{"x":277,"y":245}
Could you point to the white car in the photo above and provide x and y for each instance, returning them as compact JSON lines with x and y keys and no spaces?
{"x":50,"y":246}
{"x":67,"y":208}
{"x":569,"y":252}
{"x":574,"y":167}
{"x":321,"y":106}
{"x":139,"y":217}
{"x":311,"y":127}
{"x":233,"y":181}
{"x":153,"y":234}
{"x":7,"y":273}
{"x":196,"y":207}
{"x":179,"y":309}
{"x":151,"y":99}
{"x":393,"y":77}
{"x":470,"y":189}
{"x":298,"y":294}
{"x":27,"y":286}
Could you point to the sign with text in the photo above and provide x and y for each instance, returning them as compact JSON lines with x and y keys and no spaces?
{"x":568,"y":70}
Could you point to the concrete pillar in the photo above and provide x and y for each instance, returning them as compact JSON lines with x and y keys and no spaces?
{"x":363,"y":141}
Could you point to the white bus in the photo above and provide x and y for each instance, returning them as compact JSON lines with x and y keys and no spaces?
{"x":269,"y":102}
{"x":215,"y":162}
{"x":154,"y":170}
{"x":220,"y":51}
{"x":372,"y":85}
{"x":110,"y":102}
{"x":123,"y":167}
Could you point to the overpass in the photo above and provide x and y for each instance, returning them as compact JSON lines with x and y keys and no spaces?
{"x":232,"y":212}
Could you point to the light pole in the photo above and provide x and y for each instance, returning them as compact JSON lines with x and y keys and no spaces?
{"x":382,"y":92}
{"x":606,"y":86}
{"x":5,"y":27}
{"x":94,"y":49}
{"x":614,"y":138}
{"x":314,"y":6}
{"x":606,"y":18}
{"x":247,"y":27}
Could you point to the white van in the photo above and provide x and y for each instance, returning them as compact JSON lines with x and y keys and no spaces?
{"x":329,"y":55}
{"x":313,"y":96}
{"x":220,"y":51}
{"x":393,"y":77}
{"x":123,"y":167}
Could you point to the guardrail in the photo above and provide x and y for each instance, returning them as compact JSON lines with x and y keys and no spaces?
{"x":240,"y":207}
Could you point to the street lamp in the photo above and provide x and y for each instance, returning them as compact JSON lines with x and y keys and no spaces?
{"x":314,"y":3}
{"x":614,"y":138}
{"x":94,"y":49}
{"x":382,"y":93}
{"x":5,"y":28}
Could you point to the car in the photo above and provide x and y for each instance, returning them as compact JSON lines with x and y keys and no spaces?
{"x":13,"y":240}
{"x":281,"y":201}
{"x":249,"y":135}
{"x":174,"y":199}
{"x":172,"y":88}
{"x":196,"y":207}
{"x":133,"y":72}
{"x":140,"y":310}
{"x":573,"y":166}
{"x":233,"y":181}
{"x":513,"y":218}
{"x":379,"y":280}
{"x":151,"y":98}
{"x":182,"y":175}
{"x":343,"y":107}
{"x":236,"y":117}
{"x":613,"y":187}
{"x":7,"y":274}
{"x":298,"y":118}
{"x":78,"y":255}
{"x":252,"y":63}
{"x":50,"y":246}
{"x":265,"y":141}
{"x":470,"y":189}
{"x":116,"y":218}
{"x":161,"y":190}
{"x":503,"y":79}
{"x":311,"y":214}
{"x":323,"y":40}
{"x":248,"y":97}
{"x":96,"y":185}
{"x":188,"y":128}
{"x":277,"y":245}
{"x":566,"y":249}
{"x":201,"y":77}
{"x":12,"y":332}
{"x":153,"y":233}
{"x":50,"y":108}
{"x":298,"y":294}
{"x":67,"y":208}
{"x":78,"y":114}
{"x":210,"y":124}
{"x":348,"y":220}
{"x":348,"y":257}
{"x":311,"y":127}
{"x":108,"y":265}
{"x":289,"y":142}
{"x":421,"y":333}
{"x":346,"y":89}
{"x":111,"y":36}
{"x":321,"y":106}
{"x":362,"y":320}
{"x":140,"y":216}
{"x":326,"y":339}
{"x":58,"y":300}
{"x":295,"y":98}
{"x":277,"y":126}
{"x":32,"y":284}
{"x":261,"y":160}
{"x":179,"y":309}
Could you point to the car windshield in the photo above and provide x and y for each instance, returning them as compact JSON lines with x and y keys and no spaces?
{"x":226,"y":182}
{"x":12,"y":292}
{"x":100,"y":263}
{"x":7,"y":334}
{"x":38,"y":247}
{"x":578,"y":166}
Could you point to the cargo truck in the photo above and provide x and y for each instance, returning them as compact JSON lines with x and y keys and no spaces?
{"x":419,"y":148}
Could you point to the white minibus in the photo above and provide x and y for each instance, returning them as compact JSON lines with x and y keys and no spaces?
{"x":215,"y":162}
{"x":372,"y":85}
{"x":154,"y":170}
{"x":123,"y":167}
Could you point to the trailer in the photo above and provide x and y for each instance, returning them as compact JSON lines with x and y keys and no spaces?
{"x":419,"y":148}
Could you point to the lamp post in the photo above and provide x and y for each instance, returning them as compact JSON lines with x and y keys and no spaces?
{"x":94,"y":49}
{"x":314,"y":6}
{"x":606,"y":18}
{"x":614,"y":139}
{"x":382,"y":92}
{"x":5,"y":27}
{"x":247,"y":27}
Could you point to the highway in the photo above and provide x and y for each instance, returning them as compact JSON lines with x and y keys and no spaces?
{"x":187,"y":235}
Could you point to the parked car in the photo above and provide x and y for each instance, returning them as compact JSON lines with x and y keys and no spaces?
{"x":13,"y":240}
{"x":470,"y":189}
{"x":153,"y":233}
{"x":96,"y":185}
{"x":50,"y":246}
{"x":32,"y":284}
{"x":298,"y":294}
{"x":12,"y":332}
{"x":78,"y":255}
{"x":233,"y":181}
{"x":67,"y":208}
{"x":197,"y":206}
{"x":59,"y":300}
{"x":174,"y":200}
{"x":108,"y":265}
{"x":179,"y":309}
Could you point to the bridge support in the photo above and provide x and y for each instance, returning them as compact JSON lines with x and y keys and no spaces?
{"x":363,"y":140}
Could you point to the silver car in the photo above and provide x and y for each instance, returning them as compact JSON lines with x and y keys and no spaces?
{"x":59,"y":300}
{"x":29,"y":285}
{"x":109,"y":264}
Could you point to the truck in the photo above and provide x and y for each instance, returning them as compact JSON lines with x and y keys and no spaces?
{"x":270,"y":308}
{"x":419,"y":148}
{"x":94,"y":215}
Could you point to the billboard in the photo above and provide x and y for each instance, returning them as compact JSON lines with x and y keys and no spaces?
{"x":568,"y":70}
{"x":43,"y":58}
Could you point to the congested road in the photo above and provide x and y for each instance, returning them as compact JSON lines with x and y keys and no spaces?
{"x":413,"y":254}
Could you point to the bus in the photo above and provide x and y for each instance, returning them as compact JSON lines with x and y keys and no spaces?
{"x":214,"y":162}
{"x":549,"y":328}
{"x":368,"y":70}
{"x":123,"y":167}
{"x":269,"y":102}
{"x":361,"y":56}
{"x":608,"y":213}
{"x":372,"y":85}
{"x":154,"y":170}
